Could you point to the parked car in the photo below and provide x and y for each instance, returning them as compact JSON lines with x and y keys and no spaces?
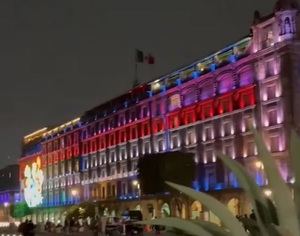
{"x":129,"y":218}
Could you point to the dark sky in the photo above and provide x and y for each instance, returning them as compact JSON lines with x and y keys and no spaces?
{"x":61,"y":57}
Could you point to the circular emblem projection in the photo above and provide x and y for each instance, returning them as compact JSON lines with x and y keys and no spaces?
{"x":33,"y":181}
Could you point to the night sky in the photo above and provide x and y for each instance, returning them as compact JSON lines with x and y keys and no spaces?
{"x":62,"y":57}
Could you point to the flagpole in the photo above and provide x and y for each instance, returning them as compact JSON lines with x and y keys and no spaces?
{"x":135,"y":74}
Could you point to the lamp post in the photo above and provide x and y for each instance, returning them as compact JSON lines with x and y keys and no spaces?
{"x":74,"y":193}
{"x":260,"y":169}
{"x":136,"y":184}
{"x":6,"y":207}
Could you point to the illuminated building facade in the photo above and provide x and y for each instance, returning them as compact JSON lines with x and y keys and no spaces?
{"x":9,"y":191}
{"x":200,"y":108}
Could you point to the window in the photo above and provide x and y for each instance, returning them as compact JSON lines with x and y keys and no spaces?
{"x":112,"y":156}
{"x":269,"y":68}
{"x":274,"y":144}
{"x":159,"y":126}
{"x":124,"y":169}
{"x":208,"y":133}
{"x":228,"y":150}
{"x":174,"y":102}
{"x":189,"y":118}
{"x":84,"y":134}
{"x":147,"y":147}
{"x":157,"y":109}
{"x":103,"y":192}
{"x":75,"y":138}
{"x":62,"y":142}
{"x":86,"y":163}
{"x":62,"y":167}
{"x":112,"y":171}
{"x":211,"y":180}
{"x":209,"y":155}
{"x":112,"y":124}
{"x":227,"y":128}
{"x":134,"y":151}
{"x":207,"y":91}
{"x":246,"y":77}
{"x":123,"y":154}
{"x":175,"y":141}
{"x":191,"y":137}
{"x":146,"y":129}
{"x":272,"y":117}
{"x":251,"y":149}
{"x":134,"y":166}
{"x":102,"y":159}
{"x":145,"y":112}
{"x":124,"y":189}
{"x":114,"y":190}
{"x":271,"y":91}
{"x":94,"y":161}
{"x":225,"y":84}
{"x":133,"y":116}
{"x":174,"y":121}
{"x":103,"y":173}
{"x":269,"y":38}
{"x":55,"y":169}
{"x":160,"y":145}
{"x":69,"y":166}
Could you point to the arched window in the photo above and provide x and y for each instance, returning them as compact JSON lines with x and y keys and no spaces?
{"x":225,"y":84}
{"x":207,"y":90}
{"x":246,"y":77}
{"x":189,"y":97}
{"x":174,"y":102}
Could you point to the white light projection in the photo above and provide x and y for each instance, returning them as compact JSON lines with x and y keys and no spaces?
{"x":33,"y":181}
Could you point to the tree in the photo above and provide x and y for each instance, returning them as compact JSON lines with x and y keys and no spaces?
{"x":20,"y":209}
{"x":155,"y":169}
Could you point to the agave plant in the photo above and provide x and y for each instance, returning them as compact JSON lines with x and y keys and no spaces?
{"x":279,"y":217}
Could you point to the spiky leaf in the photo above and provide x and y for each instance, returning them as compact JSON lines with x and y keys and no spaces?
{"x":295,"y":163}
{"x":185,"y":225}
{"x":219,"y":209}
{"x":246,"y":181}
{"x":283,"y":200}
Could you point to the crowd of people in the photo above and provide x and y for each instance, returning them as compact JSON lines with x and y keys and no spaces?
{"x":27,"y":228}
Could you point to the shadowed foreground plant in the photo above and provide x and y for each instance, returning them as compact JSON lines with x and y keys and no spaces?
{"x":280,"y":217}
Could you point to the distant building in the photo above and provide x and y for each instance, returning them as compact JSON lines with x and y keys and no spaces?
{"x":202,"y":107}
{"x":9,"y":190}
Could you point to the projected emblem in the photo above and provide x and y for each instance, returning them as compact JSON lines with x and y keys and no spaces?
{"x":33,"y":181}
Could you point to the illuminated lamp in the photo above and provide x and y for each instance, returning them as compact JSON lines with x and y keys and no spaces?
{"x":212,"y":66}
{"x":232,"y":58}
{"x":195,"y":74}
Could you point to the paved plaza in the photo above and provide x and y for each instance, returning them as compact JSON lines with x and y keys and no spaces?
{"x":87,"y":233}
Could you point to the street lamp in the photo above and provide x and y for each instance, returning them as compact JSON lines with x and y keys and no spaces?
{"x":260,"y":171}
{"x":268,"y":192}
{"x":137,"y":185}
{"x":74,"y":193}
{"x":6,"y":205}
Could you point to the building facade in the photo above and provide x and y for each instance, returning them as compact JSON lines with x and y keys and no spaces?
{"x":202,"y":108}
{"x":9,"y":192}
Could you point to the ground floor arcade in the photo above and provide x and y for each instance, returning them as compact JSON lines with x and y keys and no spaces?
{"x":162,"y":206}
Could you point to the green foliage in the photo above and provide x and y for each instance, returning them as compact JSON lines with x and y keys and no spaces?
{"x":20,"y":209}
{"x":155,"y":169}
{"x":277,"y":217}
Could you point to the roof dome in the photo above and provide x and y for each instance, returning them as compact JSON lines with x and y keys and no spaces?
{"x":282,"y":5}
